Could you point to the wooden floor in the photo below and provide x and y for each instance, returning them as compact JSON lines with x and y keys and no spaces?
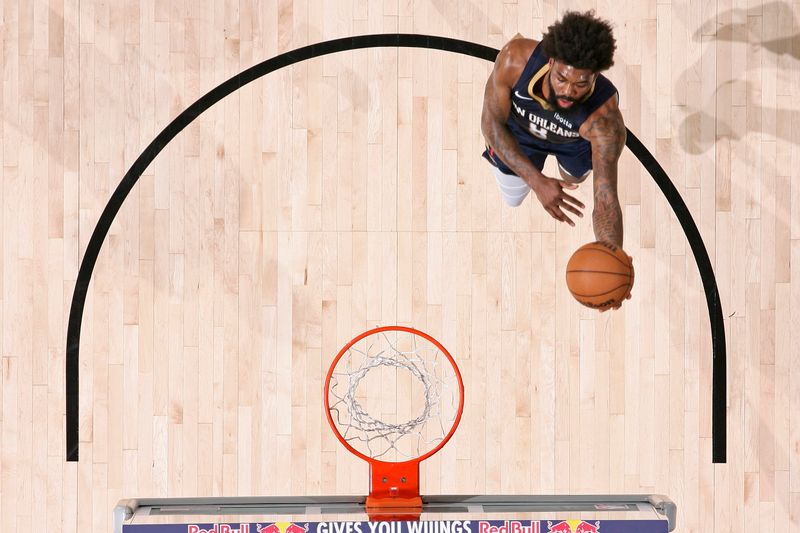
{"x":348,"y":192}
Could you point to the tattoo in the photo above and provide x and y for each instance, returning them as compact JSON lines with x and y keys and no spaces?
{"x":607,"y":214}
{"x":607,"y":133}
{"x":507,"y":148}
{"x":493,"y":124}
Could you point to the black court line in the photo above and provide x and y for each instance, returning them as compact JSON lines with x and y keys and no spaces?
{"x":718,"y":430}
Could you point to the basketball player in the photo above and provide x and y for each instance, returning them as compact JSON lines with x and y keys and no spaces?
{"x":550,"y":97}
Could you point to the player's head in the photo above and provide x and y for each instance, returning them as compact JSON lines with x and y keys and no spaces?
{"x":579,"y":46}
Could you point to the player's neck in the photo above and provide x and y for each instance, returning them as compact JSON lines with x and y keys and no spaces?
{"x":545,"y":89}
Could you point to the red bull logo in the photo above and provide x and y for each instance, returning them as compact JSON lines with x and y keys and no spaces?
{"x":281,"y":527}
{"x":573,"y":526}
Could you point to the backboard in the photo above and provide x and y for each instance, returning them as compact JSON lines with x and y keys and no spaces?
{"x":440,"y":514}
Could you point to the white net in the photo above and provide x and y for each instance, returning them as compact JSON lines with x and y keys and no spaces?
{"x":394,"y":396}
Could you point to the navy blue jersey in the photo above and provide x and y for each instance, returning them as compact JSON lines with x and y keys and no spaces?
{"x":532,"y":116}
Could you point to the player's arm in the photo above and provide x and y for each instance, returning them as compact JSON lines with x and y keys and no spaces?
{"x":508,"y":67}
{"x":605,"y":129}
{"x":496,"y":106}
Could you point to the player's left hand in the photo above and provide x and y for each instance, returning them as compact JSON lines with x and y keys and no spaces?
{"x":555,"y":200}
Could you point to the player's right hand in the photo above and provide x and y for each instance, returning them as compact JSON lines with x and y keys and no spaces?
{"x":555,"y":201}
{"x":627,"y":296}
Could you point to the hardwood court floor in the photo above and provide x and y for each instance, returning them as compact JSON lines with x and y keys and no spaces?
{"x":347,"y":192}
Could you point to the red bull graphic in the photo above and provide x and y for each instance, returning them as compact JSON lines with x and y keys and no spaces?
{"x":573,"y":526}
{"x":282,"y":527}
{"x":587,"y":527}
{"x":421,"y":526}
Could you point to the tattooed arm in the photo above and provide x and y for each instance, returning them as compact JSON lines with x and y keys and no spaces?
{"x":496,"y":106}
{"x":605,"y":129}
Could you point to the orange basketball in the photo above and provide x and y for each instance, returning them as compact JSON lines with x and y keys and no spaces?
{"x":599,"y":275}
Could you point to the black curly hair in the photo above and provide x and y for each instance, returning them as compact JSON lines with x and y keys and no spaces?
{"x":581,"y":40}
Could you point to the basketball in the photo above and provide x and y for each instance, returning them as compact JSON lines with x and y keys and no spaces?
{"x":600,"y":275}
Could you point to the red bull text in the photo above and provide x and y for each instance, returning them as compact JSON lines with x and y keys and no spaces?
{"x":509,"y":526}
{"x":219,"y":528}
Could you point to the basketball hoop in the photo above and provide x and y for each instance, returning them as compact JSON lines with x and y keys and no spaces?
{"x":394,"y":397}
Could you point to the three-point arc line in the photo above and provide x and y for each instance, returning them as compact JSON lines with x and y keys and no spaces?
{"x":719,"y":376}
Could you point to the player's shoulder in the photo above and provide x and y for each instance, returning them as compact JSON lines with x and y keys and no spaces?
{"x":517,"y":50}
{"x":609,"y":108}
{"x":607,"y":118}
{"x":512,"y":59}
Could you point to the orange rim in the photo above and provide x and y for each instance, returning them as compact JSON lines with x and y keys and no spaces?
{"x":425,"y":336}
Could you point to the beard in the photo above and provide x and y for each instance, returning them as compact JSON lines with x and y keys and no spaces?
{"x":553,"y":100}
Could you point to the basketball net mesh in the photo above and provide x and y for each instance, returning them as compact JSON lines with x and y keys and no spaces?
{"x":393,"y":396}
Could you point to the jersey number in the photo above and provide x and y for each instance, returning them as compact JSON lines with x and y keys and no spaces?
{"x":541,"y":133}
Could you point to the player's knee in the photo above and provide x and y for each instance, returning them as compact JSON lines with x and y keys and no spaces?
{"x":513,"y":189}
{"x":569,"y":178}
{"x":514,"y":201}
